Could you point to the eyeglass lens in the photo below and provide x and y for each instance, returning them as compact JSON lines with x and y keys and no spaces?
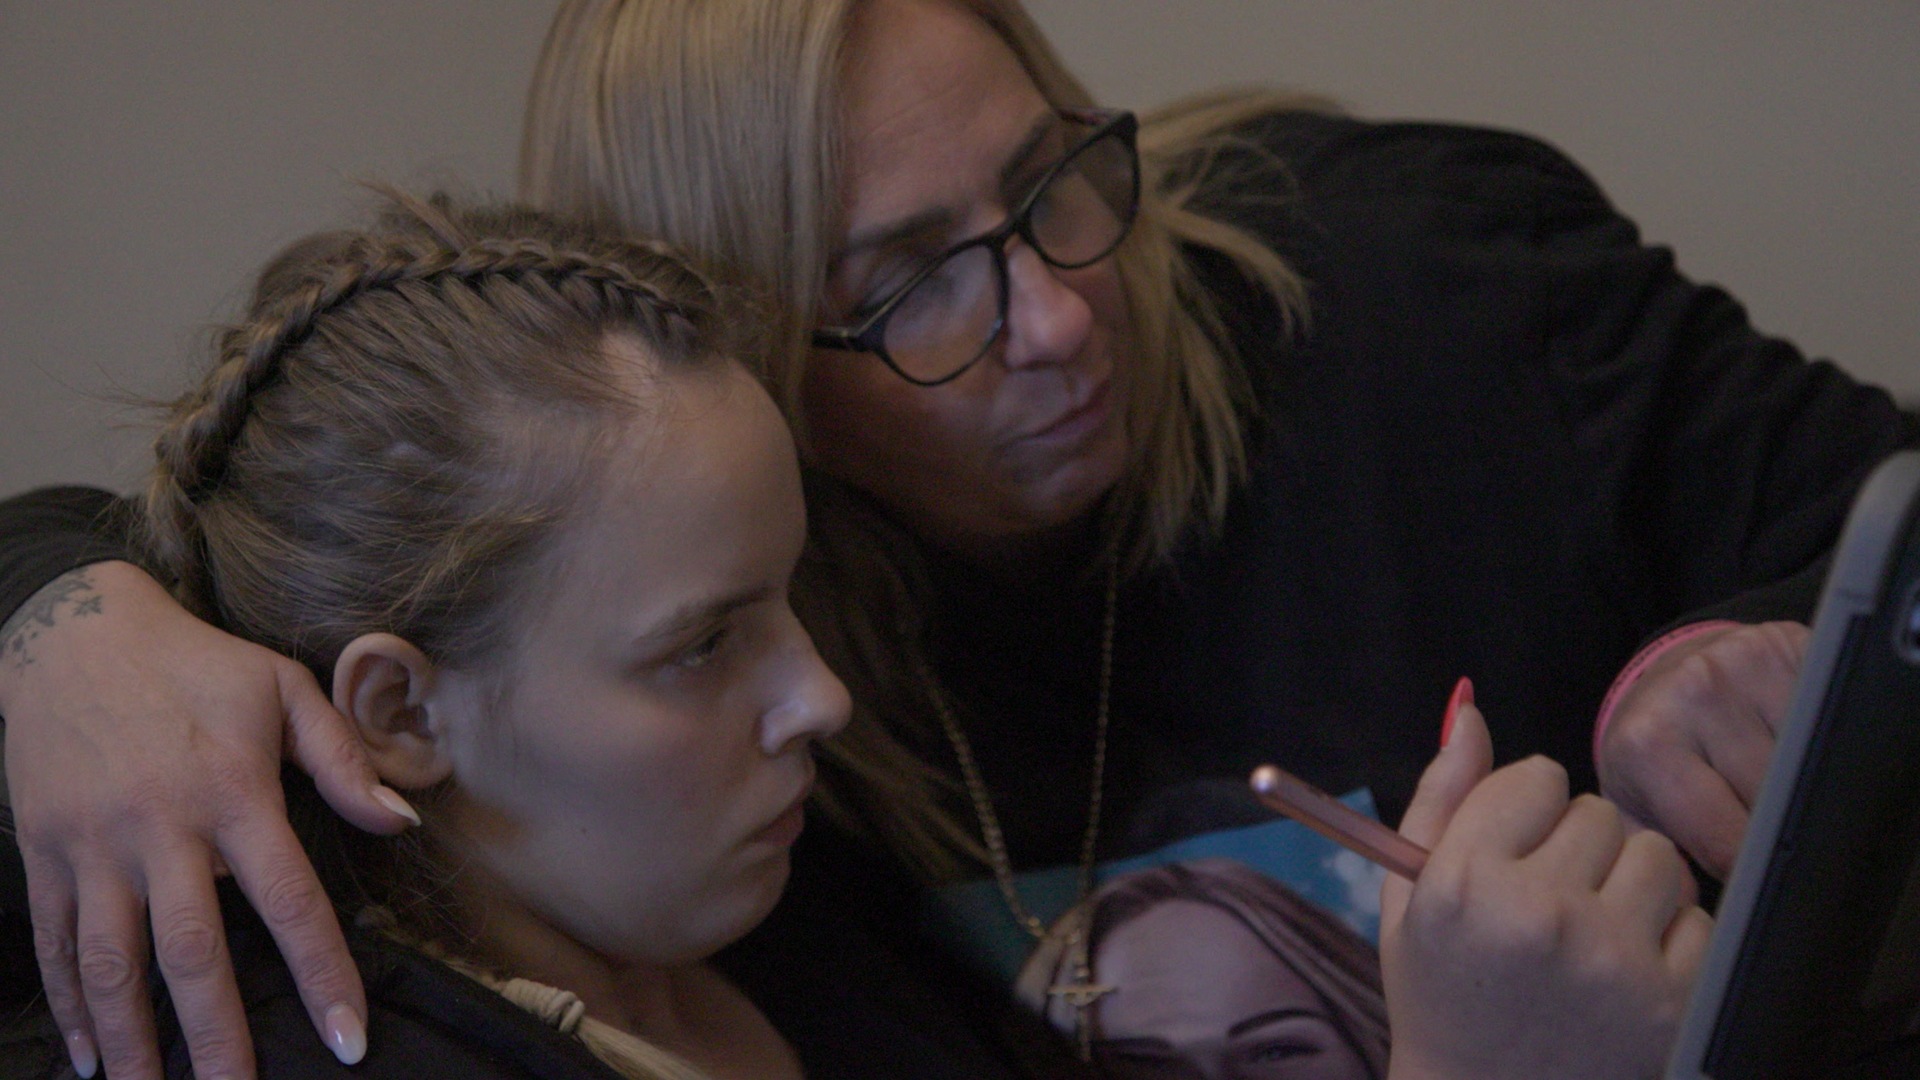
{"x":952,"y":315}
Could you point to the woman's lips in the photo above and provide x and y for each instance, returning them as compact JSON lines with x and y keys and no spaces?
{"x":1077,"y":422}
{"x":782,"y":831}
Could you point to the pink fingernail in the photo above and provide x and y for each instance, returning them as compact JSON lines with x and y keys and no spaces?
{"x":391,"y":799}
{"x":346,"y":1034}
{"x":86,"y":1059}
{"x":1462,"y":695}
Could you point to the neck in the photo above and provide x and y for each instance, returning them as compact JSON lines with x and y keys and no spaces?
{"x":685,"y":1008}
{"x":1063,"y":556}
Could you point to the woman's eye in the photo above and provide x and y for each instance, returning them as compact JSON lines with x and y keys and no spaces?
{"x":697,"y":654}
{"x":882,"y":285}
{"x":1281,"y":1050}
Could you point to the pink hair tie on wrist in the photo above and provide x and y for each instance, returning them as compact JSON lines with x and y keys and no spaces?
{"x":1635,"y":667}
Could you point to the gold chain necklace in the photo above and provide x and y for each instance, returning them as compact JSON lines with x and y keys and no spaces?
{"x":1081,"y":992}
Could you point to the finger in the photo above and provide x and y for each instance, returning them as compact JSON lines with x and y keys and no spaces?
{"x":1742,"y":748}
{"x":1708,"y":818}
{"x":112,"y":956}
{"x":1585,"y":843}
{"x":1650,"y":884}
{"x":1463,"y":762}
{"x":1686,"y":943}
{"x":1512,"y":812}
{"x":1689,"y":885}
{"x":190,"y":946}
{"x":1778,"y":674}
{"x":273,"y":871}
{"x":51,"y":909}
{"x":326,"y":747}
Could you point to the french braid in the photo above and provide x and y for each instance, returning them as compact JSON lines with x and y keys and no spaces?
{"x":328,"y":304}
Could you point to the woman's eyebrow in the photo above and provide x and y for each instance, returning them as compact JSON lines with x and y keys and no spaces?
{"x":699,"y":612}
{"x":1028,"y":146}
{"x":940,"y":219}
{"x":1272,"y":1016}
{"x":929,"y":221}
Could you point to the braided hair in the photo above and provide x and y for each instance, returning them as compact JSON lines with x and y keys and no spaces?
{"x":385,"y":442}
{"x":385,"y":438}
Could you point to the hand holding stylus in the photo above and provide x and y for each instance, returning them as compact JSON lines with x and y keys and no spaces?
{"x":1541,"y":939}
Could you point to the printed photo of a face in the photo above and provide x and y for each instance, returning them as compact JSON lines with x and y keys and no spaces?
{"x":1216,"y":971}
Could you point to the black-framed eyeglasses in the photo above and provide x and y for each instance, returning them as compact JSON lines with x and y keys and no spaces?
{"x":948,"y":314}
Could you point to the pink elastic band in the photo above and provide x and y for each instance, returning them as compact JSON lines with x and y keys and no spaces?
{"x":1631,"y":673}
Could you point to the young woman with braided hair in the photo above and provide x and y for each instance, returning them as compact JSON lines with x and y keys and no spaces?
{"x":496,"y":481}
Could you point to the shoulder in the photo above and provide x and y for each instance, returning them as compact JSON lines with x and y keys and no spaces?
{"x":1332,"y":156}
{"x":1317,"y":186}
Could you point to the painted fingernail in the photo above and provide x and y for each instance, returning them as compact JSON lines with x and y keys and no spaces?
{"x":346,"y":1034}
{"x":1462,"y":695}
{"x":86,"y":1059}
{"x":391,"y":799}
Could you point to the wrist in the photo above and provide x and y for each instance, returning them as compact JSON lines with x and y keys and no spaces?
{"x":1651,"y":653}
{"x":79,"y":594}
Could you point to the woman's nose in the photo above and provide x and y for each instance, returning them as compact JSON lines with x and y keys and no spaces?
{"x":814,"y":703}
{"x":1047,"y":319}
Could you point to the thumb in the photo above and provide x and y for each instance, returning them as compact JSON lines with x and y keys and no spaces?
{"x":326,"y":747}
{"x":1462,"y":763}
{"x":1456,"y":770}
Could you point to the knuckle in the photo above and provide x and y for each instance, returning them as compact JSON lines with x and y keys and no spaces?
{"x":106,"y":969}
{"x":1697,"y":678}
{"x":1783,"y":643}
{"x":1637,"y":736}
{"x":232,"y":779}
{"x":1542,"y":929}
{"x":1442,"y":898}
{"x":325,"y":974}
{"x":1657,"y":846}
{"x":1593,"y":806}
{"x":54,"y":947}
{"x":1548,"y":771}
{"x":342,"y":745}
{"x":189,"y":947}
{"x":1604,"y":813}
{"x":142,"y":802}
{"x":128,"y":1059}
{"x":291,"y":897}
{"x":1604,"y":960}
{"x":1551,"y":767}
{"x":214,"y":1049}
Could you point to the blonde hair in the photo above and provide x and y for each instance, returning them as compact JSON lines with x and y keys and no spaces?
{"x":387,"y":441}
{"x":716,"y":125}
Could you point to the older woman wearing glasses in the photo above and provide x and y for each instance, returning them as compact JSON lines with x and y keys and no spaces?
{"x":1127,"y":473}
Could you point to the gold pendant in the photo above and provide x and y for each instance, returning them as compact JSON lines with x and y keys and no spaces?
{"x":1081,"y":993}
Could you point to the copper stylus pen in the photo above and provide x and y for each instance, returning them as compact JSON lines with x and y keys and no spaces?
{"x":1338,"y":822}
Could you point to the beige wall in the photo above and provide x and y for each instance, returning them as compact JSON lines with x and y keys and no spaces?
{"x":1774,"y":143}
{"x":152,"y":152}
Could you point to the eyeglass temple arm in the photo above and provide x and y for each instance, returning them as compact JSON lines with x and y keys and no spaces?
{"x":836,"y":337}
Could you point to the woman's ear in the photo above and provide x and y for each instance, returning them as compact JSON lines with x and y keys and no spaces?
{"x":381,"y":685}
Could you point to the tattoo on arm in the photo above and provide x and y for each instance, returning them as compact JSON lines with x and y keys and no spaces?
{"x":72,"y":595}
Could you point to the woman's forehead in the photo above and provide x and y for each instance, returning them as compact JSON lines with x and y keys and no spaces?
{"x":934,"y":103}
